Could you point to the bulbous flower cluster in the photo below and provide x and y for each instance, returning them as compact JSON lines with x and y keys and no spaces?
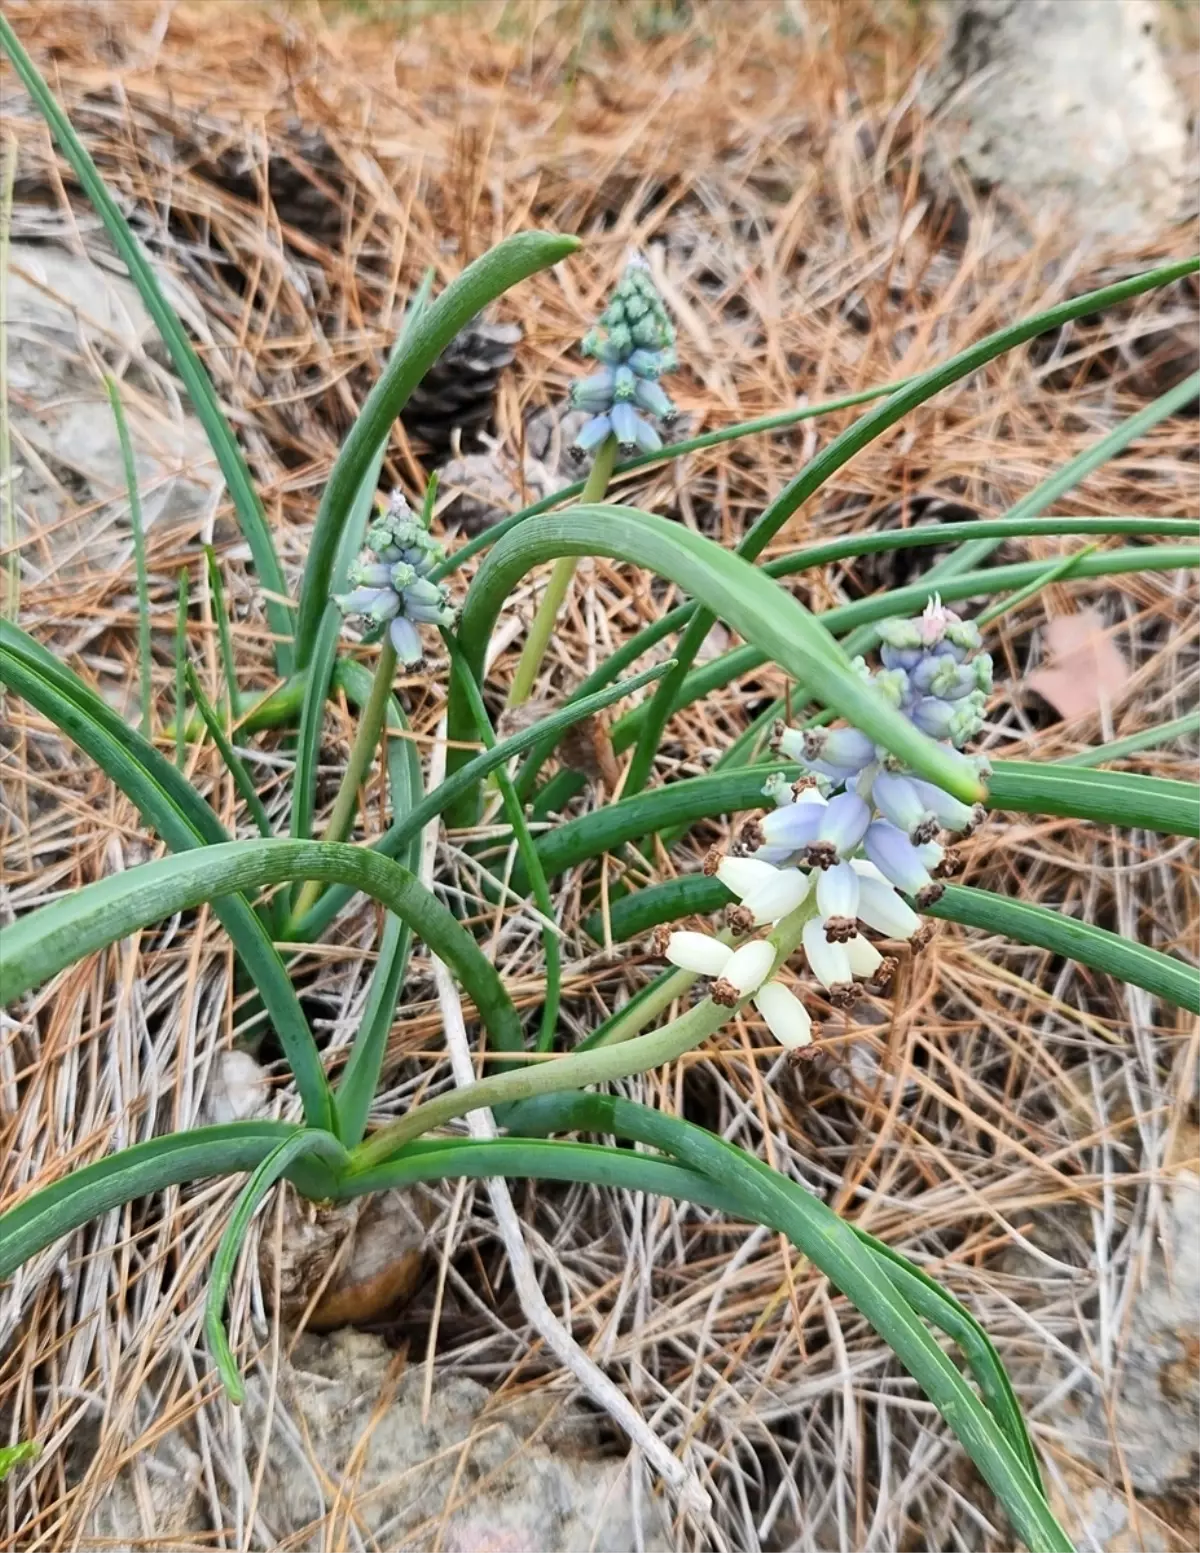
{"x":635,"y":342}
{"x":854,"y":836}
{"x":391,"y":585}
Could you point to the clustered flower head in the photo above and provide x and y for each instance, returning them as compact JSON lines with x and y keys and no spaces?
{"x":391,"y":585}
{"x":635,"y":342}
{"x":854,"y":836}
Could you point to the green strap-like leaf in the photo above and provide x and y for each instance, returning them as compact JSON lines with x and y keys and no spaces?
{"x":41,"y":944}
{"x":832,"y":1246}
{"x":513,"y":260}
{"x":184,"y":821}
{"x":765,"y":614}
{"x":610,"y":1115}
{"x":728,"y":666}
{"x":87,"y":1191}
{"x":282,"y":1158}
{"x":251,"y":516}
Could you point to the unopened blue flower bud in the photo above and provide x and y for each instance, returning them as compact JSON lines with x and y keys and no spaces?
{"x":903,"y":635}
{"x":359,"y":601}
{"x":593,"y":393}
{"x":899,"y":800}
{"x":386,"y":607}
{"x":625,"y":425}
{"x":402,"y":576}
{"x":593,"y":433}
{"x":651,"y":397}
{"x":965,"y":635}
{"x":959,"y":818}
{"x":624,"y":384}
{"x":952,"y":680}
{"x":648,"y":364}
{"x":896,"y":858}
{"x":934,"y":716}
{"x":370,"y":574}
{"x":894,"y":684}
{"x":406,"y":640}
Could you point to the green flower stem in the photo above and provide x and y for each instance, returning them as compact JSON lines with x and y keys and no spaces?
{"x":580,"y":1069}
{"x":366,"y":742}
{"x":560,"y":580}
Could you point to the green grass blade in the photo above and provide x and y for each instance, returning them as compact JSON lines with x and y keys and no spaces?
{"x":856,"y":437}
{"x":181,"y":660}
{"x":145,"y":685}
{"x":461,"y":674}
{"x":170,"y":806}
{"x":778,"y":624}
{"x":1104,"y":797}
{"x":1046,"y":928}
{"x":87,"y":1191}
{"x":355,"y":1091}
{"x":39,"y":945}
{"x":513,"y":260}
{"x":403,"y":831}
{"x":251,"y":517}
{"x":1147,"y":739}
{"x":233,"y":761}
{"x":264,"y":1176}
{"x":216,"y":595}
{"x":10,"y":589}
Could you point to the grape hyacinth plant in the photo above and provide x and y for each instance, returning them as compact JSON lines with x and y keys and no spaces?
{"x":847,"y":860}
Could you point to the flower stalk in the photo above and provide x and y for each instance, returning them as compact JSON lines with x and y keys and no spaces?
{"x":580,"y":1069}
{"x":556,"y":591}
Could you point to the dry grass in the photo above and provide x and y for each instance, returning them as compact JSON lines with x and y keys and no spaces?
{"x":770,"y":157}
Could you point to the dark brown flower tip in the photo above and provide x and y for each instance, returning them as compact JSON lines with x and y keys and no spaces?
{"x":885,"y":974}
{"x":951,"y":864}
{"x":921,"y":937}
{"x":724,"y":993}
{"x":820,"y":854}
{"x":739,"y":919}
{"x":930,"y":895}
{"x":659,"y":939}
{"x":840,"y":930}
{"x":712,"y":861}
{"x":751,"y":836}
{"x":843,"y":994}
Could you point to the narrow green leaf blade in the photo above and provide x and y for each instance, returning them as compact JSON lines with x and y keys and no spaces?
{"x":251,"y":516}
{"x":43,"y":943}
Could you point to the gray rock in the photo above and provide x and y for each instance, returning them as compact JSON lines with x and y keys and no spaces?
{"x":70,"y":322}
{"x":467,"y":1478}
{"x":1066,"y":105}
